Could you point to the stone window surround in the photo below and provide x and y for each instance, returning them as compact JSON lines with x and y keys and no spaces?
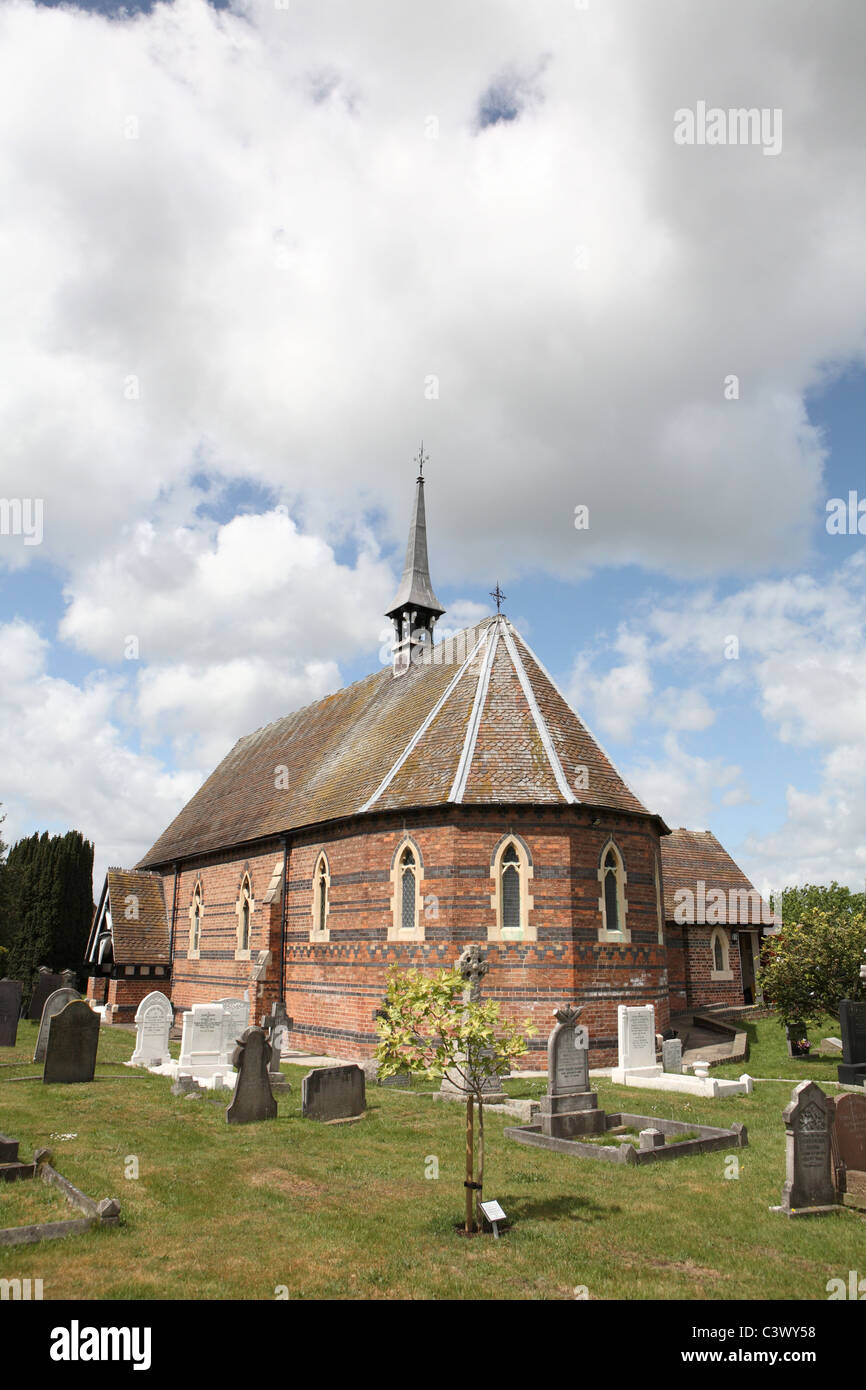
{"x":315,"y":934}
{"x":623,"y":936}
{"x":528,"y":930}
{"x":396,"y":932}
{"x":194,"y":952}
{"x":244,"y":952}
{"x":721,"y":935}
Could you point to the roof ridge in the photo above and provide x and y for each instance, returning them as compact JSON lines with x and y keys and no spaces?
{"x":458,"y":786}
{"x":540,"y":724}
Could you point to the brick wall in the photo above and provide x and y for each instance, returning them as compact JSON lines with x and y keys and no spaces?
{"x":333,"y":987}
{"x":701,"y":987}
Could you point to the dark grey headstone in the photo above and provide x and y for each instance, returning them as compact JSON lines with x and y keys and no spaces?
{"x":46,"y":983}
{"x":809,"y":1170}
{"x":53,"y":1004}
{"x":570,"y":1106}
{"x":333,"y":1093}
{"x":253,"y":1098}
{"x":73,"y":1037}
{"x":850,"y":1130}
{"x":852,"y":1025}
{"x":10,"y":1010}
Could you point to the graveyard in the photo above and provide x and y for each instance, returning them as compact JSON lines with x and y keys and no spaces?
{"x":293,"y":1207}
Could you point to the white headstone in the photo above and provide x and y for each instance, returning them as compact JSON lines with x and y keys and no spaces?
{"x":236,"y":1019}
{"x":636,"y":1028}
{"x":201,"y":1043}
{"x":153,"y":1020}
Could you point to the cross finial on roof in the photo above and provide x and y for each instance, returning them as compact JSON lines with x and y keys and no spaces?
{"x":421,"y":460}
{"x":499,"y":596}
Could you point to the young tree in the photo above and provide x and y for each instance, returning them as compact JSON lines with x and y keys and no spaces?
{"x":813,"y":963}
{"x":428,"y":1027}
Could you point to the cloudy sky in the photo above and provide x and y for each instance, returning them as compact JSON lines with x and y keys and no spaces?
{"x":252,"y":255}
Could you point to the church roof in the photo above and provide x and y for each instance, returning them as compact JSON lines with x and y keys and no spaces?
{"x":690,"y":857}
{"x":416,"y":587}
{"x":480,"y":723}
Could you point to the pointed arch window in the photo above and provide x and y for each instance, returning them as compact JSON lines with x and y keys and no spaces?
{"x":612,"y":901}
{"x":244,"y":908}
{"x":720,"y":959}
{"x":319,"y":930}
{"x":408,"y":889}
{"x":407,"y":870}
{"x":196,"y":912}
{"x":512,"y":902}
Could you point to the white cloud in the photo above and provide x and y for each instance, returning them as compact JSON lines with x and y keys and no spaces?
{"x":282,"y":257}
{"x":65,"y":761}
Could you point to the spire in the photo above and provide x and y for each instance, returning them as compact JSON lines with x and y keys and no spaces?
{"x":416,"y":608}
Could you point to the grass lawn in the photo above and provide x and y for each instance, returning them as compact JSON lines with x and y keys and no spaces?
{"x":345,"y":1211}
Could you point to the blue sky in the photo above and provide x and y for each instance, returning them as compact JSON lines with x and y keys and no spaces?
{"x":273,"y":249}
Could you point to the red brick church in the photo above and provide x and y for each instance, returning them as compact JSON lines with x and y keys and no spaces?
{"x":451,"y":797}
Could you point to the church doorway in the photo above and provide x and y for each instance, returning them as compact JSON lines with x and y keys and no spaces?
{"x":747,"y":966}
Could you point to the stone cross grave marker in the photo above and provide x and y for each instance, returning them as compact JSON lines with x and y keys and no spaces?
{"x":201,"y":1042}
{"x":852,"y":1020}
{"x":73,"y":1038}
{"x":253,"y":1099}
{"x":277,"y":1026}
{"x":849,"y":1134}
{"x":333,"y":1093}
{"x":46,"y":983}
{"x":53,"y":1004}
{"x":570,"y":1106}
{"x":153,"y":1020}
{"x":636,"y":1030}
{"x":473,"y":966}
{"x":809,"y":1173}
{"x":10,"y":1009}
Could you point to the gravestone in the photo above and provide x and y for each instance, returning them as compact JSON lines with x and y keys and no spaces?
{"x":473,"y":966}
{"x":570,"y":1106}
{"x":73,"y":1037}
{"x":849,"y":1133}
{"x":852,"y":1020}
{"x":253,"y":1098}
{"x":53,"y":1004}
{"x":153,"y":1020}
{"x":236,"y":1019}
{"x":672,"y":1056}
{"x":333,"y":1093}
{"x":46,"y":983}
{"x":636,"y":1035}
{"x":809,"y":1183}
{"x":649,"y":1139}
{"x":10,"y":1010}
{"x":201,"y":1042}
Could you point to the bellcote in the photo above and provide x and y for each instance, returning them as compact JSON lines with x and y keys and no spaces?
{"x":416,"y":608}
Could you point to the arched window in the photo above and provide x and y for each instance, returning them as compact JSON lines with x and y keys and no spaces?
{"x":612,"y":902}
{"x":321,"y":899}
{"x":720,"y":955}
{"x":408,"y":890}
{"x":195,"y":916}
{"x":511,"y":871}
{"x":407,"y":872}
{"x":244,"y":923}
